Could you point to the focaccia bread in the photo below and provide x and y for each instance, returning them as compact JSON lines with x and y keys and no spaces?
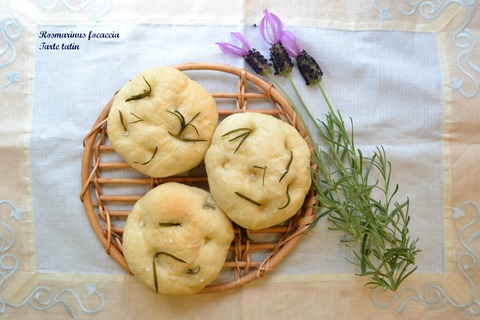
{"x":258,"y":169}
{"x":161,"y":122}
{"x":176,"y":239}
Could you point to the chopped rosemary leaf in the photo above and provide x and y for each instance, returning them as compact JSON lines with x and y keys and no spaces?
{"x":288,"y":200}
{"x":148,"y":161}
{"x":264,"y":168}
{"x":247,"y":132}
{"x":288,"y":166}
{"x":138,"y":118}
{"x":244,"y":197}
{"x":194,"y":271}
{"x":186,"y":139}
{"x":169,"y":224}
{"x":184,"y":125}
{"x":170,"y":255}
{"x":155,"y":277}
{"x":146,"y":93}
{"x":121,"y":120}
{"x":209,"y":205}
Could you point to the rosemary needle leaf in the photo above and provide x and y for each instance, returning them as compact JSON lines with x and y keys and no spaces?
{"x":153,"y":156}
{"x":121,"y":120}
{"x":193,"y":271}
{"x":288,"y":201}
{"x":247,"y":132}
{"x":146,"y":93}
{"x":244,"y":197}
{"x":184,"y":125}
{"x":169,"y":224}
{"x":288,"y":166}
{"x":171,"y":256}
{"x":138,"y":119}
{"x":155,"y":277}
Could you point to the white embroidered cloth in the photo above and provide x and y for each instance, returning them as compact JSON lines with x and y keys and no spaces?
{"x":406,"y":73}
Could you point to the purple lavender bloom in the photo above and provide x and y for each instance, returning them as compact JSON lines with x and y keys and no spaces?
{"x":271,"y":28}
{"x":309,"y":68}
{"x":235,"y":50}
{"x":289,"y":42}
{"x":255,"y":59}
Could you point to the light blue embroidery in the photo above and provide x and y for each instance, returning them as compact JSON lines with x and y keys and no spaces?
{"x":10,"y":29}
{"x":41,"y":298}
{"x":384,"y":13}
{"x":434,"y":296}
{"x":99,"y":8}
{"x":463,"y":38}
{"x":15,"y":213}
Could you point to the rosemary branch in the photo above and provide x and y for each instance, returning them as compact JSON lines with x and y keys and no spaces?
{"x":345,"y":194}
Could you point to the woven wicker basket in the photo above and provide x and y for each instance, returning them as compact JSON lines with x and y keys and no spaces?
{"x":110,"y":187}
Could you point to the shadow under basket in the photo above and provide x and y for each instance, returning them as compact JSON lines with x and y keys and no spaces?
{"x":110,"y":187}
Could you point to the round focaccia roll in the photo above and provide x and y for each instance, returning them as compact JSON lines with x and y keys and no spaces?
{"x":161,"y":122}
{"x":258,"y":169}
{"x":176,"y":239}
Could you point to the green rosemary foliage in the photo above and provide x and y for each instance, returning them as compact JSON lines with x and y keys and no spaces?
{"x":363,"y":209}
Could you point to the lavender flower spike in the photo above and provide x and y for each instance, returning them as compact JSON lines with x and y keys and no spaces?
{"x":255,"y":59}
{"x":280,"y":59}
{"x":271,"y":28}
{"x":235,"y":50}
{"x":309,"y":68}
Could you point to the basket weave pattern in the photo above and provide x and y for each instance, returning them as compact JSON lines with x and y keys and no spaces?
{"x":107,"y":211}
